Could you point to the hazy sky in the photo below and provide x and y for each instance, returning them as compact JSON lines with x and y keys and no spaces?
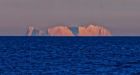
{"x":122,"y":17}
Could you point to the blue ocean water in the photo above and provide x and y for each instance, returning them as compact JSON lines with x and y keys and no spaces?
{"x":69,"y":55}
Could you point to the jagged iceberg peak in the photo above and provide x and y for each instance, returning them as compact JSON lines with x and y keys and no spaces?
{"x":62,"y":30}
{"x":31,"y":31}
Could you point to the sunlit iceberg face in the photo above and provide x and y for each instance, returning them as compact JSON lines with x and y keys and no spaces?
{"x":60,"y":31}
{"x":93,"y":30}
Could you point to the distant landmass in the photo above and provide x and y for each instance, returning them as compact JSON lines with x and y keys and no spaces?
{"x":62,"y":30}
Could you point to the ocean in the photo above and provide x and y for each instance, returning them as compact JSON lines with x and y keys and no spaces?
{"x":69,"y":55}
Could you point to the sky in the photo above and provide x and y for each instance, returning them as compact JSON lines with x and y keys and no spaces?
{"x":122,"y":17}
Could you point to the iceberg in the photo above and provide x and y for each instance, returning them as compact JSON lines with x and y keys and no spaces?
{"x":81,"y":30}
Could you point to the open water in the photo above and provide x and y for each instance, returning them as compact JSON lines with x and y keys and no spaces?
{"x":69,"y":55}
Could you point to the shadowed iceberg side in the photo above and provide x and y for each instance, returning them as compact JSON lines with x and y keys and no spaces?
{"x":82,"y":30}
{"x":74,"y":30}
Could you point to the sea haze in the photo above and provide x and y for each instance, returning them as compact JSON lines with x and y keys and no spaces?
{"x":120,"y":16}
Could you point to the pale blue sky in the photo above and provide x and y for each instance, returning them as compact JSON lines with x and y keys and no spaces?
{"x":122,"y":17}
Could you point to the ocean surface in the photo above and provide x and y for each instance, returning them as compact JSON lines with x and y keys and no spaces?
{"x":69,"y":55}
